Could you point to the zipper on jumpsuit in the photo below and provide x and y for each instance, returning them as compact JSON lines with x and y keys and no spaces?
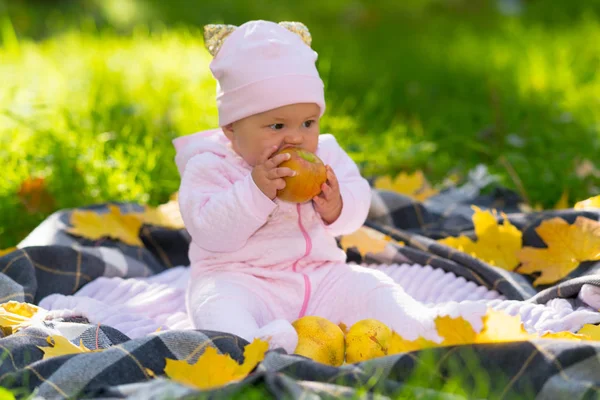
{"x":308,"y":242}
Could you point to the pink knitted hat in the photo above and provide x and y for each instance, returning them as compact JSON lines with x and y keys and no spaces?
{"x":260,"y":66}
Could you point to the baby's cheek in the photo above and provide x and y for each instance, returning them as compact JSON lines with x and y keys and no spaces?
{"x":254,"y":154}
{"x":312,"y":143}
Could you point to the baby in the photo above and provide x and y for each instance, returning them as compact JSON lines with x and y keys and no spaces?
{"x":258,"y":263}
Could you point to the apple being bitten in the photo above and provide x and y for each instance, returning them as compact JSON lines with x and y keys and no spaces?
{"x":310,"y":176}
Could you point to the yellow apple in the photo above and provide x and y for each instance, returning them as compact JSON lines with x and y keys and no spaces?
{"x":367,"y":339}
{"x":320,"y":340}
{"x":310,"y":175}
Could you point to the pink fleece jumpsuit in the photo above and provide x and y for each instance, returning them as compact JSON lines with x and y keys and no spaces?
{"x":257,"y":265}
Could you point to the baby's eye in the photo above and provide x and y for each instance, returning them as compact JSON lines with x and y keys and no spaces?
{"x":309,"y":123}
{"x":276,"y":127}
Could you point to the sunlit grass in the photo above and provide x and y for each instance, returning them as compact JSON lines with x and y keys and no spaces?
{"x":95,"y":116}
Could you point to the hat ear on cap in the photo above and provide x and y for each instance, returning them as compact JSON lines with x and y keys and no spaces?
{"x":215,"y":34}
{"x":299,"y":29}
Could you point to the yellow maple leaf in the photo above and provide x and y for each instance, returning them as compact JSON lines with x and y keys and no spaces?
{"x":454,"y":330}
{"x":15,"y":315}
{"x":567,"y":246}
{"x":591,"y":331}
{"x":16,"y":307}
{"x":213,"y":370}
{"x":91,"y":225}
{"x":366,"y":240}
{"x":496,"y":244}
{"x":565,"y":335}
{"x":253,"y":354}
{"x":413,"y":185}
{"x":167,"y":215}
{"x":400,"y":345}
{"x":7,"y":251}
{"x":498,"y":326}
{"x":592,"y":202}
{"x":60,"y":345}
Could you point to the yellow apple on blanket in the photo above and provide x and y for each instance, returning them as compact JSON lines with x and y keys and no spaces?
{"x":320,"y":340}
{"x":367,"y":339}
{"x":310,"y":176}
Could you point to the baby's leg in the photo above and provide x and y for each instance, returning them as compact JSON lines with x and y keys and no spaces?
{"x":349,"y":293}
{"x":234,"y":303}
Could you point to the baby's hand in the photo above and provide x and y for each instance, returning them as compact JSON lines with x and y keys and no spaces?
{"x":329,"y":202}
{"x":266,"y":174}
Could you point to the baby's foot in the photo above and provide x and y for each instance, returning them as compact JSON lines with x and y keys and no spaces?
{"x":279,"y":334}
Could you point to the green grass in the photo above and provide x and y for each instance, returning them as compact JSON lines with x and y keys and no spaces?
{"x":95,"y":115}
{"x":93,"y":92}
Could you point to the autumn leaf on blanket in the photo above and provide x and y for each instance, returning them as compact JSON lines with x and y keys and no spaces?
{"x":166,"y":215}
{"x":400,"y":345}
{"x":34,"y":195}
{"x":60,"y":345}
{"x":592,"y":202}
{"x":15,"y":315}
{"x":413,"y":185}
{"x":7,"y":251}
{"x":454,"y":330}
{"x":213,"y":370}
{"x":499,"y":326}
{"x":92,"y":225}
{"x":496,"y":244}
{"x":567,"y":246}
{"x":366,"y":240}
{"x":565,"y":335}
{"x":591,"y":331}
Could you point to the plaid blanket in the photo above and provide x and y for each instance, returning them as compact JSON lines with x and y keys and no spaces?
{"x":50,"y":261}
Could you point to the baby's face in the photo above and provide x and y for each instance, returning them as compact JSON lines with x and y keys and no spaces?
{"x":293,"y":125}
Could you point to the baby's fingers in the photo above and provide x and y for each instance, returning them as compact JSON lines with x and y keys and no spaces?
{"x":280,"y":173}
{"x":266,"y":154}
{"x":326,"y":190}
{"x":278,"y":159}
{"x":278,"y":183}
{"x":332,"y":179}
{"x":319,"y":201}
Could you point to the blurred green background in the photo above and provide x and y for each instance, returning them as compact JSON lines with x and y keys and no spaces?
{"x":92,"y":92}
